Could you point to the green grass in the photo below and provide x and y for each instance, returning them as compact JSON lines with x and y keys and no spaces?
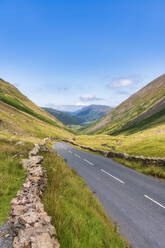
{"x":11,"y":174}
{"x":154,"y":120}
{"x":78,"y":216}
{"x":128,"y":110}
{"x":149,"y":143}
{"x":152,"y":170}
{"x":19,"y":105}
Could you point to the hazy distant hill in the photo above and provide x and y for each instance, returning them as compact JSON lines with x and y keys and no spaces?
{"x":64,"y":117}
{"x":86,"y":114}
{"x":92,"y":112}
{"x":142,"y":110}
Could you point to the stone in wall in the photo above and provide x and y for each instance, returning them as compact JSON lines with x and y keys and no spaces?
{"x":113,"y":154}
{"x":29,"y":222}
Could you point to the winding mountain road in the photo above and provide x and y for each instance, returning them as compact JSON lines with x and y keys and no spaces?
{"x":134,"y":201}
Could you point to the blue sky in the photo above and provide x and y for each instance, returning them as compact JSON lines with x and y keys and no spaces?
{"x":81,"y":52}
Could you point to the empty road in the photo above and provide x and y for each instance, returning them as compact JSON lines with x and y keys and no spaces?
{"x":135,"y":201}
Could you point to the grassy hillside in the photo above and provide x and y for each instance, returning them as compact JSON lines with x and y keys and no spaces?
{"x":21,"y":116}
{"x":140,"y":106}
{"x":64,"y":117}
{"x":75,"y":220}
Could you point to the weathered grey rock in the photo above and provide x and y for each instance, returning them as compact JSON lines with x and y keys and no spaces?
{"x":36,"y":159}
{"x":29,"y":222}
{"x":35,"y":151}
{"x":113,"y":154}
{"x":6,"y":236}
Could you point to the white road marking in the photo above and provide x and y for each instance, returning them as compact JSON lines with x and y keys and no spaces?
{"x":70,"y":152}
{"x":76,"y":155}
{"x":112,"y":176}
{"x":88,"y":162}
{"x":146,"y":196}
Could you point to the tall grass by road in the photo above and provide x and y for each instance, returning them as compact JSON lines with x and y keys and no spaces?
{"x":11,"y":173}
{"x":152,"y":170}
{"x":78,"y":216}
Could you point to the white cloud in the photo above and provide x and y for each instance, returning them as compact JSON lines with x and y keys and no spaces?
{"x":121,"y":82}
{"x":89,"y":98}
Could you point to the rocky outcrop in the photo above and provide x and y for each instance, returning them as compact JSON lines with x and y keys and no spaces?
{"x":113,"y":154}
{"x":29,"y":222}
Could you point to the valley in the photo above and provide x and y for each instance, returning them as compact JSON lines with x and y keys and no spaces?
{"x":124,"y":129}
{"x":82,"y":124}
{"x":22,"y":125}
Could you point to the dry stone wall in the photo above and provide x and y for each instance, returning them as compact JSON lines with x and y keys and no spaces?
{"x":113,"y":154}
{"x":29,"y":222}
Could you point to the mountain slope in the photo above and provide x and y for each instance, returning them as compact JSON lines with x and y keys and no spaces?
{"x":92,"y":112}
{"x":18,"y":114}
{"x":140,"y":106}
{"x":64,"y":117}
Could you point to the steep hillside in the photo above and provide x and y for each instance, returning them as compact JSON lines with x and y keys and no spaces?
{"x":92,"y":112}
{"x":64,"y":117}
{"x":19,"y":115}
{"x":142,"y":110}
{"x":67,"y":199}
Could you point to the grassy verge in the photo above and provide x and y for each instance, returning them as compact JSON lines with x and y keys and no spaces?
{"x":11,"y":173}
{"x":152,"y":170}
{"x":149,"y":143}
{"x":78,"y":216}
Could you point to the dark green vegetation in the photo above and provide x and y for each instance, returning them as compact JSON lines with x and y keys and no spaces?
{"x":92,"y":112}
{"x":78,"y":216}
{"x":154,"y":120}
{"x":11,"y":173}
{"x":135,"y":111}
{"x":17,"y":104}
{"x":21,"y":116}
{"x":65,"y":117}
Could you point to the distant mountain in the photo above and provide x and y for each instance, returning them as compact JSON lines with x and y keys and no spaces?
{"x":85,"y":114}
{"x":65,"y":117}
{"x":144,"y":109}
{"x":92,"y":112}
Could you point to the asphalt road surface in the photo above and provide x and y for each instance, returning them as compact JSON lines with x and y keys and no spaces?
{"x":134,"y":201}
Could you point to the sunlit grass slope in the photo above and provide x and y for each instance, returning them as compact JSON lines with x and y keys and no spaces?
{"x":8,"y":90}
{"x":78,"y":216}
{"x":143,"y":104}
{"x":18,"y":114}
{"x":147,"y":143}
